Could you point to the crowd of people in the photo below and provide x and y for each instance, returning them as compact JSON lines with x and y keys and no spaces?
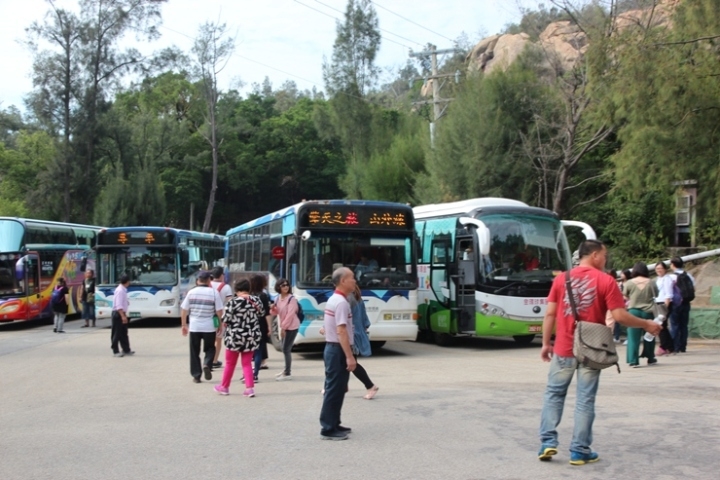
{"x":660,"y":298}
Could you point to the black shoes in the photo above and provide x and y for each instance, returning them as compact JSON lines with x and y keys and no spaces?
{"x":208,"y":372}
{"x":335,"y":435}
{"x":340,"y":428}
{"x":196,"y":380}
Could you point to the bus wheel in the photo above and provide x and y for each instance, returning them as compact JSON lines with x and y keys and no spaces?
{"x":524,"y":339}
{"x":443,"y":339}
{"x":375,"y":346}
{"x":275,"y":336}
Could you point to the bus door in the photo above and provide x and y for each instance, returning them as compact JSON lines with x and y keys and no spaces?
{"x":439,"y":263}
{"x":463,"y":291}
{"x":31,"y":285}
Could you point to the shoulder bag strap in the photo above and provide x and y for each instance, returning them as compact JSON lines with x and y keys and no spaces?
{"x":571,"y":297}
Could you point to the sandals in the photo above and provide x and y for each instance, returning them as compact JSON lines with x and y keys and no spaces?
{"x":371,"y":392}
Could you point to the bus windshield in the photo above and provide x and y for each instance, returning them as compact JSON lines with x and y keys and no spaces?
{"x":524,"y":248}
{"x":144,"y":265}
{"x":8,"y":282}
{"x":378,"y":261}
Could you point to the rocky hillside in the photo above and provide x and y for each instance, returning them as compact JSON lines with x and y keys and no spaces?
{"x":565,"y":42}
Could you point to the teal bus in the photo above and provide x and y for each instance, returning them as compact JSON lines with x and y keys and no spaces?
{"x":33,"y":255}
{"x":486,"y":266}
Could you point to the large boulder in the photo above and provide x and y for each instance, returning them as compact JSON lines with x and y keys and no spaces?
{"x":498,"y":51}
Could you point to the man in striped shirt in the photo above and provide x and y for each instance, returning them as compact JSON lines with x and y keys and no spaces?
{"x":198,"y":308}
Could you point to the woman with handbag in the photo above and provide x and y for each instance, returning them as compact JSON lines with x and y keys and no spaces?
{"x":242,"y":336}
{"x":361,"y":342}
{"x":641,"y":293}
{"x":286,"y":309}
{"x":87,"y":297}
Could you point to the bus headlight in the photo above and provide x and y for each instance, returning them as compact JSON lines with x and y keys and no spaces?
{"x":10,"y":308}
{"x":487,"y":309}
{"x":168,"y":303}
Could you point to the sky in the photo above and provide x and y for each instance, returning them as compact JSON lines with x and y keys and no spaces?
{"x":279,"y":39}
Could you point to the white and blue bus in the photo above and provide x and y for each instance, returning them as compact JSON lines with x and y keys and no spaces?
{"x":162,"y":264}
{"x":306,"y":242}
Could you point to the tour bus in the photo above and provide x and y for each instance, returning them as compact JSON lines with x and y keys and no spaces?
{"x":33,"y":255}
{"x":306,"y":242}
{"x":162,"y":264}
{"x":486,"y":266}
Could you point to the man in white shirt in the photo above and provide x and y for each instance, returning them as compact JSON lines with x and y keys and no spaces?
{"x":338,"y":356}
{"x":199,"y":306}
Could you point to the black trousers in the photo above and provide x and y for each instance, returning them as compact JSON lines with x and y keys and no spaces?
{"x":119,"y":334}
{"x":362,"y":375}
{"x":208,"y":340}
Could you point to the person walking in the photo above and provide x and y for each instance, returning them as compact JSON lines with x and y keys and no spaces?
{"x":663,"y":306}
{"x":242,"y":337}
{"x":286,"y":309}
{"x":87,"y":297}
{"x":198,"y":308}
{"x":625,"y":275}
{"x":226,"y":293}
{"x":120,"y":320}
{"x":594,"y":293}
{"x":59,"y":300}
{"x":361,"y":342}
{"x":680,"y":309}
{"x":338,"y":356}
{"x":641,"y":294}
{"x":257,"y":288}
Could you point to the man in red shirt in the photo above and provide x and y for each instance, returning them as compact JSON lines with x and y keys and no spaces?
{"x":595,"y":293}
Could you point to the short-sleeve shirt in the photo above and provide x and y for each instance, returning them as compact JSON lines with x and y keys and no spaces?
{"x":202,"y":302}
{"x":225,"y":291}
{"x":337,"y":312}
{"x":120,"y":299}
{"x":595,"y":292}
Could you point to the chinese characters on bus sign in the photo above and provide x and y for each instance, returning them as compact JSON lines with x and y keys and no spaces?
{"x":339,"y":216}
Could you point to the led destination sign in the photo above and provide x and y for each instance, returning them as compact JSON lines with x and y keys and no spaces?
{"x":355,"y":217}
{"x":135,"y":238}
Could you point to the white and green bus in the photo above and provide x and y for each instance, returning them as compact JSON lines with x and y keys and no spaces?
{"x":485,"y":267}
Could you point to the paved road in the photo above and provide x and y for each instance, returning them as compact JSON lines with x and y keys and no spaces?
{"x":69,"y":410}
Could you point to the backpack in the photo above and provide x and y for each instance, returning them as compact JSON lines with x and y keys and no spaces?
{"x":58,"y":297}
{"x":686,"y":287}
{"x":300,"y":313}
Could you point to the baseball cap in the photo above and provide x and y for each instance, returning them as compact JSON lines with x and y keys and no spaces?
{"x":204,"y":275}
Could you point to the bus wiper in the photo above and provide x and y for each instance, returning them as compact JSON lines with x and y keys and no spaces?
{"x":505,"y":287}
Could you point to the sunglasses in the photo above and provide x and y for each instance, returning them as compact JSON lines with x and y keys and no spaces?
{"x":284,"y":285}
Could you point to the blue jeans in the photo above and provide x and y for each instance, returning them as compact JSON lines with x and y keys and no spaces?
{"x":88,"y":311}
{"x":561,"y":373}
{"x":336,"y":382}
{"x":680,"y":318}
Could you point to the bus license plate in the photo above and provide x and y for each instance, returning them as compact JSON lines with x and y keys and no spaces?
{"x":535,"y":329}
{"x":134,"y":314}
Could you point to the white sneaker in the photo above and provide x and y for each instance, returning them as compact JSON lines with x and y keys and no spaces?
{"x":282,"y":377}
{"x":625,"y":342}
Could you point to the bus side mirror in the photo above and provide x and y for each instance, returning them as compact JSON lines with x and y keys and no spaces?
{"x":482,"y":232}
{"x":83,"y":263}
{"x":184,"y":259}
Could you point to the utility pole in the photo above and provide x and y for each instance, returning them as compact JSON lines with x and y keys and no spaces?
{"x":437,"y":102}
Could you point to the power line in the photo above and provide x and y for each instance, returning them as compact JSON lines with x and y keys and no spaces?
{"x":337,"y":19}
{"x":411,"y":21}
{"x":379,"y":28}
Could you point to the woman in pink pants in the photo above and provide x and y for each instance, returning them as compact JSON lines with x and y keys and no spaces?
{"x":242,"y":336}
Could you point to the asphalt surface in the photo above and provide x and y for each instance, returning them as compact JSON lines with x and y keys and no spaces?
{"x":70,"y":410}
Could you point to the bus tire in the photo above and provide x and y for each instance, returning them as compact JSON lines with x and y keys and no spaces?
{"x":375,"y":346}
{"x":443,"y":339}
{"x":524,"y":339}
{"x":275,"y":336}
